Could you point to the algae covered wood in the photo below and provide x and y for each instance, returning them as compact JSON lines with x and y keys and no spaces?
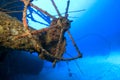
{"x":10,"y":28}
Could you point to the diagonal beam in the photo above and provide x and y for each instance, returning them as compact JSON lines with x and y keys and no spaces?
{"x":75,"y":45}
{"x":67,"y":8}
{"x":39,"y":9}
{"x":58,"y":12}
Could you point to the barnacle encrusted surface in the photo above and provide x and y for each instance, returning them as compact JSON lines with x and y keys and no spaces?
{"x":11,"y":27}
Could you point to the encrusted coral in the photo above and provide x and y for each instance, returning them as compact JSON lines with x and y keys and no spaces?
{"x":10,"y":28}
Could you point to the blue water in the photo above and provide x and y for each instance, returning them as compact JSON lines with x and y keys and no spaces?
{"x":97,"y":34}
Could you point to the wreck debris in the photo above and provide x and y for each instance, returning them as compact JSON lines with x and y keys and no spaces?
{"x":48,"y":42}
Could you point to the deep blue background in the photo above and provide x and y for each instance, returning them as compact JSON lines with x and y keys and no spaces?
{"x":97,"y":34}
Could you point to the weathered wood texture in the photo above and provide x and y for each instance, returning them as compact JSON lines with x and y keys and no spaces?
{"x":10,"y":28}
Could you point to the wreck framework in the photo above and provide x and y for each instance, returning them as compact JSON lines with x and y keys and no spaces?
{"x":49,"y":42}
